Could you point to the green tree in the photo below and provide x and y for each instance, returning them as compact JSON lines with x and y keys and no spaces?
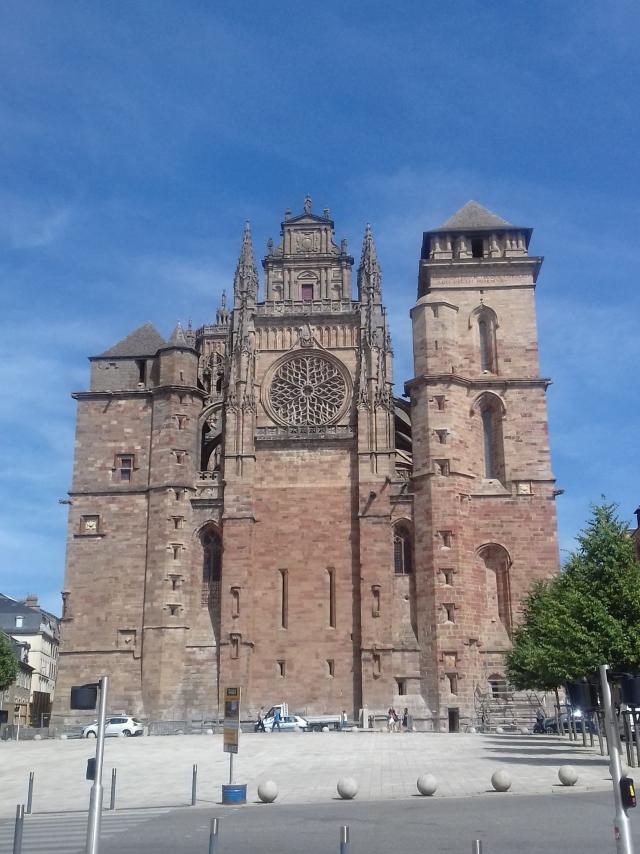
{"x":8,"y":663}
{"x":586,"y":616}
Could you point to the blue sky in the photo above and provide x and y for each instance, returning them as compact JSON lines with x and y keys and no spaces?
{"x":136,"y":138}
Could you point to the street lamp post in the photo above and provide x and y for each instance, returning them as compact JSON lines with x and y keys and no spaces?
{"x":95,"y":801}
{"x":621,"y":826}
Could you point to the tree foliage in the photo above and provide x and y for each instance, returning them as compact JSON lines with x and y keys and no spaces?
{"x":8,"y":663}
{"x":587,"y":616}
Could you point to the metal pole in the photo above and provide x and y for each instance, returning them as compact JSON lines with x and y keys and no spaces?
{"x":213,"y":836}
{"x":194,"y":785}
{"x":95,"y":800}
{"x":599,"y":733}
{"x":621,"y":828}
{"x":476,"y":846}
{"x":635,"y":736}
{"x":17,"y":831}
{"x":345,"y":844}
{"x":231,"y":769}
{"x":628,"y":746}
{"x":30,"y":793}
{"x":112,"y":801}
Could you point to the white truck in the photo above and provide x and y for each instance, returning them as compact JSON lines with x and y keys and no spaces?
{"x":314,"y":723}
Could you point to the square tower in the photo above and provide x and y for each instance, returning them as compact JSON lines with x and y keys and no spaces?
{"x":484,"y":500}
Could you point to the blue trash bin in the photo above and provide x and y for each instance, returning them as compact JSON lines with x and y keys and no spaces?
{"x":236,"y":794}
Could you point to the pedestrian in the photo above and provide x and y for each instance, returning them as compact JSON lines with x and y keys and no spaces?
{"x":259,"y":727}
{"x":396,"y":721}
{"x":276,"y":720}
{"x":391,"y":721}
{"x":344,"y":719}
{"x":405,"y":719}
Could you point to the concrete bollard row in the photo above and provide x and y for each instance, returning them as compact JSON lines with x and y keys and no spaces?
{"x":427,"y":784}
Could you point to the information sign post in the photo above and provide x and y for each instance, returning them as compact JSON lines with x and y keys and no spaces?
{"x":231,"y":738}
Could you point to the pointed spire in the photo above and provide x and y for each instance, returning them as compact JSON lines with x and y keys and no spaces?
{"x":246,"y":277}
{"x":190,"y":335}
{"x":177,"y":338}
{"x":369,"y":274}
{"x":222,"y":314}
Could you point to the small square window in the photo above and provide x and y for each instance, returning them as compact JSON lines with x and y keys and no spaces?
{"x":19,"y":622}
{"x":450,"y":612}
{"x":282,"y":668}
{"x":174,"y":610}
{"x":124,"y":467}
{"x":402,"y":686}
{"x":441,"y":467}
{"x":440,"y":402}
{"x":447,"y":539}
{"x":447,"y":575}
{"x":452,"y":678}
{"x":180,"y":456}
{"x":178,"y":522}
{"x":442,"y":436}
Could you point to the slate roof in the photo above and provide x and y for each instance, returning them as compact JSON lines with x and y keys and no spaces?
{"x":10,"y":609}
{"x":33,"y":617}
{"x":474,"y":216}
{"x":177,"y":337}
{"x":144,"y":341}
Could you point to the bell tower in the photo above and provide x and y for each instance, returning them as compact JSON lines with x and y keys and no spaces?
{"x":484,"y":498}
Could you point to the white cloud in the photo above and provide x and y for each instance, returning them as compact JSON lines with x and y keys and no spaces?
{"x":30,"y":224}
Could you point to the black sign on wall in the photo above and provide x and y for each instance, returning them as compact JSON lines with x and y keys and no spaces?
{"x":84,"y":697}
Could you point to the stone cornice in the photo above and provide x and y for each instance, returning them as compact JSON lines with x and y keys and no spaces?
{"x":490,"y":382}
{"x":137,"y":392}
{"x":483,"y":267}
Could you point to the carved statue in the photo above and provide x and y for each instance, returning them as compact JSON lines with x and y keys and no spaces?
{"x":305,"y":336}
{"x":307,"y":204}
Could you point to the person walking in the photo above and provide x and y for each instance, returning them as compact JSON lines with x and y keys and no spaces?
{"x":259,"y":727}
{"x":276,"y":721}
{"x":405,"y":719}
{"x":391,"y":721}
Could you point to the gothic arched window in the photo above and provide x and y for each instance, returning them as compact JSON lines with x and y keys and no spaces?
{"x":497,"y":564}
{"x":211,"y":556}
{"x":402,"y":550}
{"x":487,"y":324}
{"x":492,"y":442}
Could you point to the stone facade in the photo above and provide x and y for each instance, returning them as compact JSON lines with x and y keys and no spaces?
{"x":250,"y":504}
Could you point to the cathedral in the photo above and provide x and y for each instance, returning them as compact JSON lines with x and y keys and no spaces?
{"x":252,"y":506}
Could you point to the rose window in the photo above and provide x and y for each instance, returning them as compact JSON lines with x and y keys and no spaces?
{"x":308,"y":390}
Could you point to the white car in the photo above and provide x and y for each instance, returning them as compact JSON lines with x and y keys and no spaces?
{"x":288,"y":722}
{"x":115,"y":725}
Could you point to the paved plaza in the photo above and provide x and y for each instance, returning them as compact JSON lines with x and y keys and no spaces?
{"x":156,"y":771}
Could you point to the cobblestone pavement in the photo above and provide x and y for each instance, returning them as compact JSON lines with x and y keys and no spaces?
{"x":156,"y":771}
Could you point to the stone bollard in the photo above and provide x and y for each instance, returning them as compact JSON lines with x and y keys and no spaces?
{"x":209,"y":732}
{"x":499,"y":730}
{"x":267,"y":791}
{"x":354,"y":729}
{"x":427,"y":784}
{"x":37,"y":737}
{"x":472,"y":729}
{"x":347,"y":788}
{"x":63,"y":736}
{"x":500,"y":780}
{"x":567,"y":775}
{"x":325,"y":729}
